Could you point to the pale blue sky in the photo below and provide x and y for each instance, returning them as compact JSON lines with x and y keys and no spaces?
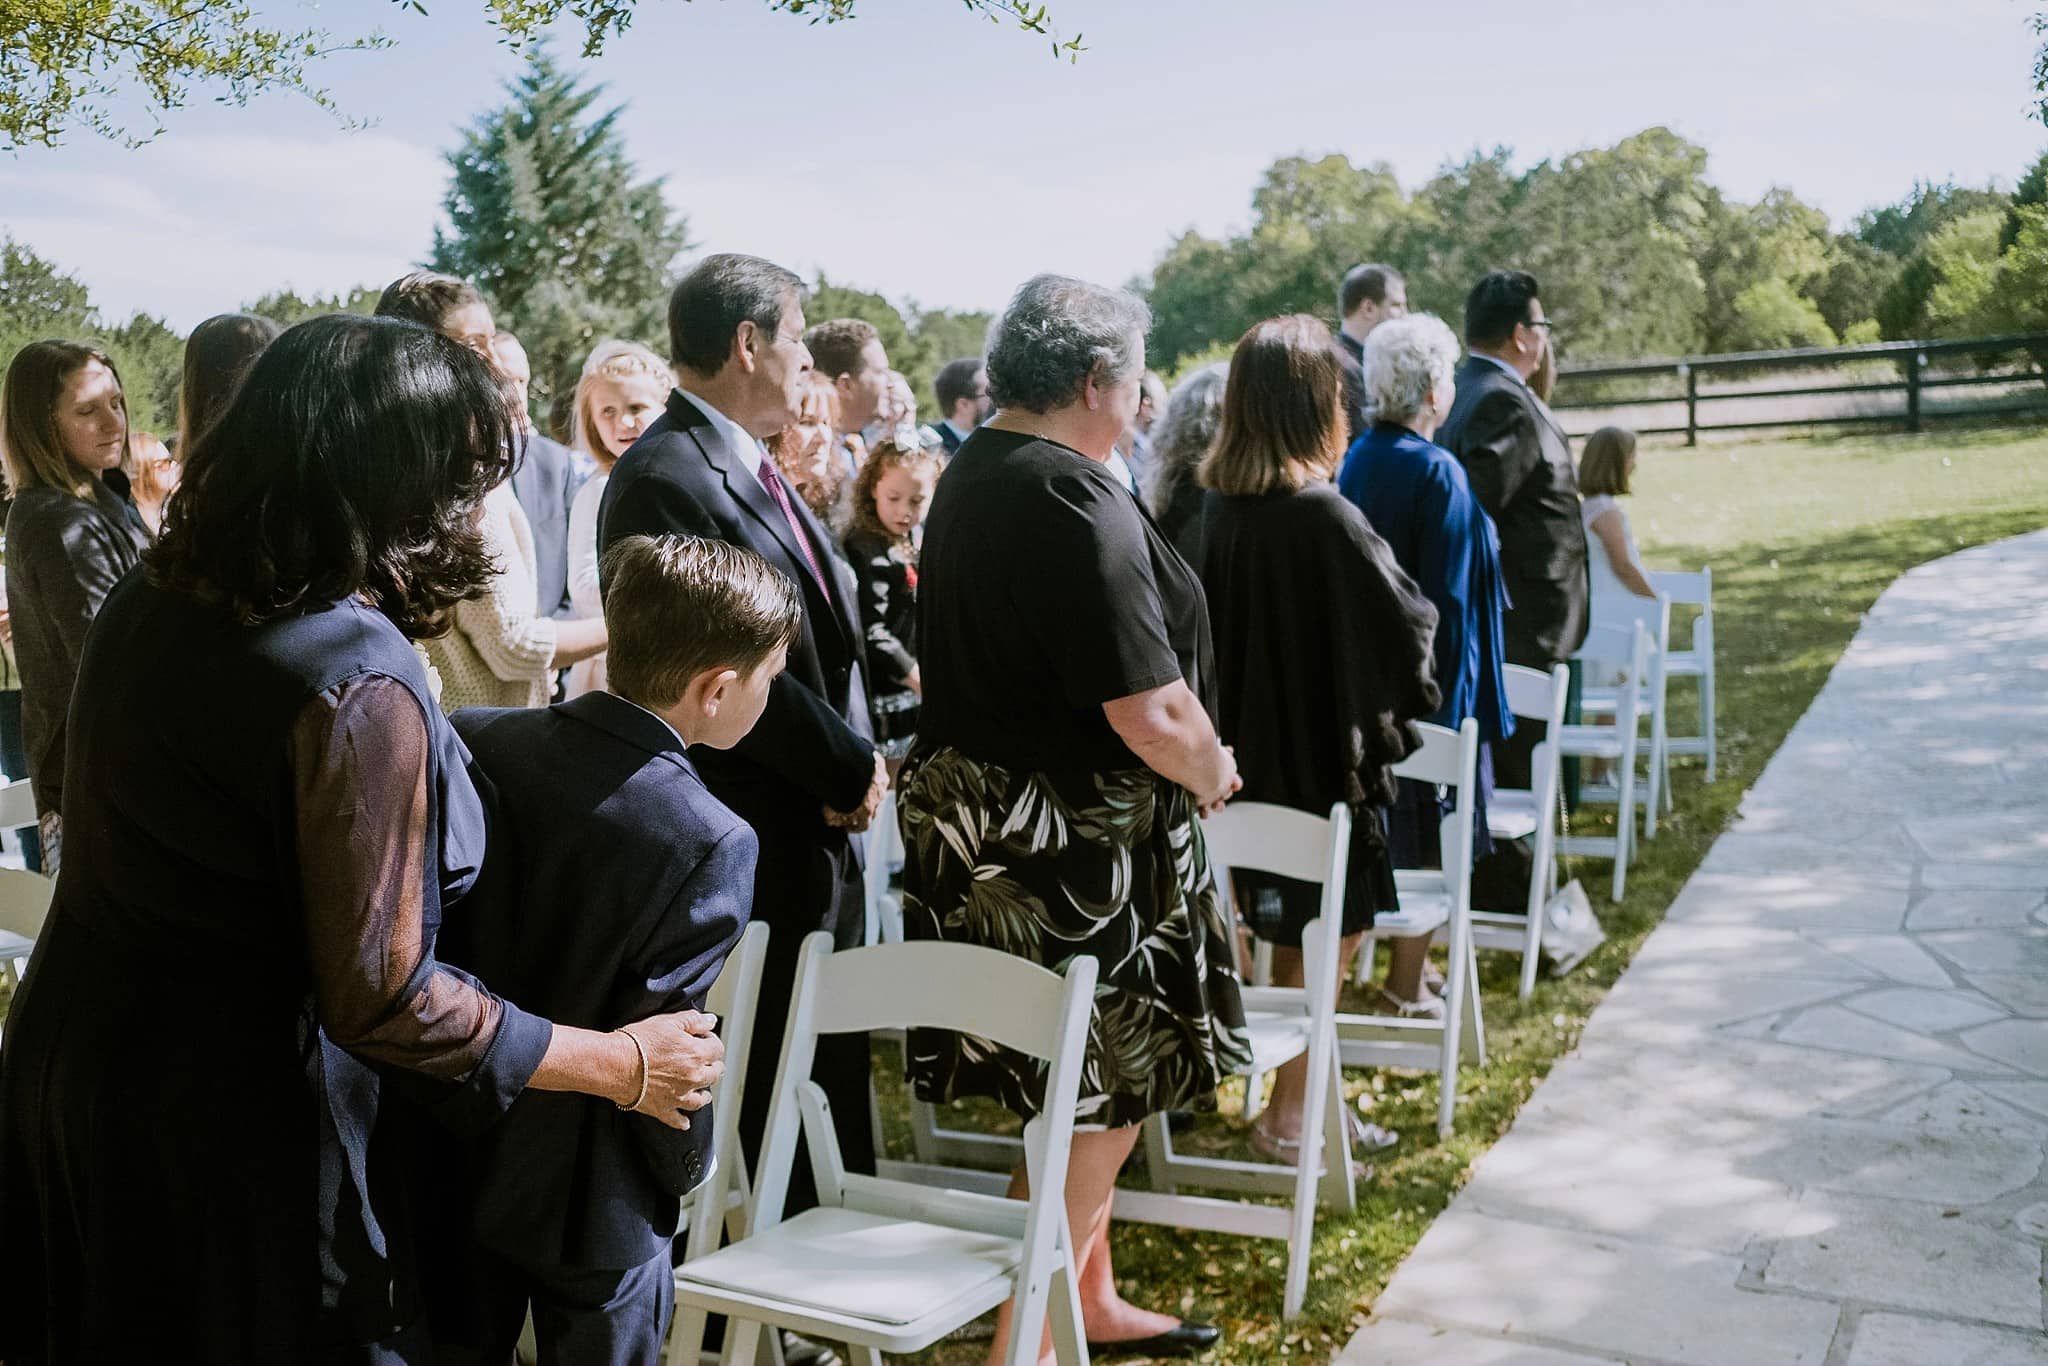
{"x":933,"y":156}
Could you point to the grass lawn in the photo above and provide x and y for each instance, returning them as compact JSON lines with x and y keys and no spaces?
{"x":1802,"y":536}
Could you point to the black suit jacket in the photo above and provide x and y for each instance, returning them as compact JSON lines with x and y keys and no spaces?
{"x":545,"y":483}
{"x":812,"y":747}
{"x":1351,"y":355}
{"x":613,"y":887}
{"x":1520,"y":464}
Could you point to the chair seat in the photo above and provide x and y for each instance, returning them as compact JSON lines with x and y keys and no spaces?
{"x":1422,"y":912}
{"x":13,"y":945}
{"x":1275,"y":1039}
{"x":1511,"y":813}
{"x":1608,"y":700}
{"x":844,"y":1262}
{"x":1685,"y":663}
{"x":1592,"y":742}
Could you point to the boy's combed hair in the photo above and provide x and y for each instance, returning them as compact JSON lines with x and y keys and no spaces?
{"x":675,"y":606}
{"x":886,"y":456}
{"x":426,"y":297}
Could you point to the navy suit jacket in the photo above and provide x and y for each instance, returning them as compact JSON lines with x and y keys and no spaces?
{"x":1519,"y":462}
{"x":813,"y":746}
{"x":613,"y":886}
{"x":545,"y":484}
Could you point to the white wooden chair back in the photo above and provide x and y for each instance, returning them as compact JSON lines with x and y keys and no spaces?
{"x":1693,"y":589}
{"x":884,"y":846}
{"x":24,"y":906}
{"x":1655,"y":614}
{"x":17,"y":805}
{"x":1285,"y":1023}
{"x":1532,"y":695}
{"x":1448,"y":759}
{"x":1617,"y":741}
{"x":976,"y":991}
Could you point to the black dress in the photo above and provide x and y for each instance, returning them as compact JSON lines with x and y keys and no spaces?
{"x":887,"y":577}
{"x":236,"y":978}
{"x":1324,"y":659}
{"x":1028,"y":825}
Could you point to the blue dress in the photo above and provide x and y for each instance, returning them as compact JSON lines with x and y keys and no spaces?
{"x":1416,"y":496}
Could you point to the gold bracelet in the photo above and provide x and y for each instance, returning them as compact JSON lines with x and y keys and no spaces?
{"x":645,"y":1076}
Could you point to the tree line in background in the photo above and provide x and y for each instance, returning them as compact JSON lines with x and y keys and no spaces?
{"x":1639,"y":255}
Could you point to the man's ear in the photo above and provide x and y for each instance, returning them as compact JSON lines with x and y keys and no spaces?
{"x":744,"y":338}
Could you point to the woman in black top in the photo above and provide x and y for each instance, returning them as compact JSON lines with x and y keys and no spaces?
{"x":269,"y":819}
{"x":71,"y":534}
{"x":1064,"y":752}
{"x":1179,"y":444}
{"x":1324,"y":643}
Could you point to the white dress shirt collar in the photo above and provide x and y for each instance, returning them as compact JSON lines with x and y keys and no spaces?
{"x":743,"y":442}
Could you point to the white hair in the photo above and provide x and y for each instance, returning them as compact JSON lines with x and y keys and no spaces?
{"x":1405,"y":359}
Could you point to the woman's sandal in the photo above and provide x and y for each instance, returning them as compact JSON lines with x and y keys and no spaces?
{"x":1288,"y":1151}
{"x":1431,"y":1009}
{"x":1367,"y":1136}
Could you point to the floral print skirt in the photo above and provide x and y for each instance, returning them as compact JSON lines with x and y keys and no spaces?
{"x":1047,"y":866}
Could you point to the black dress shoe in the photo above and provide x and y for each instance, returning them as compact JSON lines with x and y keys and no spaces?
{"x":1185,"y":1339}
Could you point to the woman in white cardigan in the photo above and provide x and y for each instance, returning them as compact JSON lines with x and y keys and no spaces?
{"x":622,"y":390}
{"x":500,"y":652}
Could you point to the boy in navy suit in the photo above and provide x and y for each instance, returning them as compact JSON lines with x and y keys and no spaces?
{"x":614,"y":884}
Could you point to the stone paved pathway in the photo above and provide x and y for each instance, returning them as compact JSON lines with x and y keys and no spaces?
{"x":1807,"y":1126}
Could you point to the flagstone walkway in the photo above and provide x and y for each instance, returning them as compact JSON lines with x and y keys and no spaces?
{"x":1807,"y":1126}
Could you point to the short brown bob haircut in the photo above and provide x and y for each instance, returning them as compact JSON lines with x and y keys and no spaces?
{"x":1603,"y":464}
{"x":30,"y":443}
{"x":1283,"y":410}
{"x":675,"y":606}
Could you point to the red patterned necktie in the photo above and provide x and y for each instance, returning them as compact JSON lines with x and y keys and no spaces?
{"x":772,"y":481}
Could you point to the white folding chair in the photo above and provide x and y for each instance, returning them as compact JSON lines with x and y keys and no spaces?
{"x":1432,"y":899}
{"x":892,"y":1266}
{"x":1693,"y":590}
{"x":1285,"y":1023}
{"x":1648,"y":687}
{"x":885,"y":845}
{"x":24,"y":896}
{"x":719,"y":1204}
{"x":1616,"y":741}
{"x":1520,"y":813}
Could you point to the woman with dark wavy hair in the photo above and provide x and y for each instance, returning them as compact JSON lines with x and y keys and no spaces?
{"x":268,"y":817}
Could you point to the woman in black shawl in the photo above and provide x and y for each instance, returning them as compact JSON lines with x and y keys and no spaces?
{"x":1323,"y":644}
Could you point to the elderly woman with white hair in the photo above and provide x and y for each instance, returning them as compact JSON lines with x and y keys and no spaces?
{"x":1416,"y":495}
{"x":1065,"y":751}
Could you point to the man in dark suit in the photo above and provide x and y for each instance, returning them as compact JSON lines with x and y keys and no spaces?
{"x":545,"y":484}
{"x":809,"y":775}
{"x":961,"y":388}
{"x":614,"y":887}
{"x":1370,"y":295}
{"x":1520,"y":464}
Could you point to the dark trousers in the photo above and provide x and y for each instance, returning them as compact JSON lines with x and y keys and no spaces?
{"x":581,"y":1316}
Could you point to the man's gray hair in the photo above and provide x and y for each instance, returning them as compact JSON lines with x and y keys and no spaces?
{"x":1055,"y":333}
{"x":1404,"y":360}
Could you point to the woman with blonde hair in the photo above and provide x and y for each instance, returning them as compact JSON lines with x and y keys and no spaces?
{"x":623,"y":388}
{"x":72,"y":534}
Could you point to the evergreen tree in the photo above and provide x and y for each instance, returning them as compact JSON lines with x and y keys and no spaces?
{"x":549,"y":220}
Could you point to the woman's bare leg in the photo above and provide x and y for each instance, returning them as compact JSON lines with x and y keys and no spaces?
{"x":1282,"y":1115}
{"x":1096,"y":1158}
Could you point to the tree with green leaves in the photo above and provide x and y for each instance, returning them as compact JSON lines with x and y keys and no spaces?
{"x":67,"y":65}
{"x":548,"y":217}
{"x":38,"y":301}
{"x":287,"y":308}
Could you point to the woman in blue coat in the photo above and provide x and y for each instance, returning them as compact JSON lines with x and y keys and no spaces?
{"x":1416,"y":496}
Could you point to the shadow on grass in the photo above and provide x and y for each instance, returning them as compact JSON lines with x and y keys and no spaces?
{"x":1784,"y":614}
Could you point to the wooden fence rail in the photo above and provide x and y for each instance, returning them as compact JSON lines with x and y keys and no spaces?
{"x":1907,"y":384}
